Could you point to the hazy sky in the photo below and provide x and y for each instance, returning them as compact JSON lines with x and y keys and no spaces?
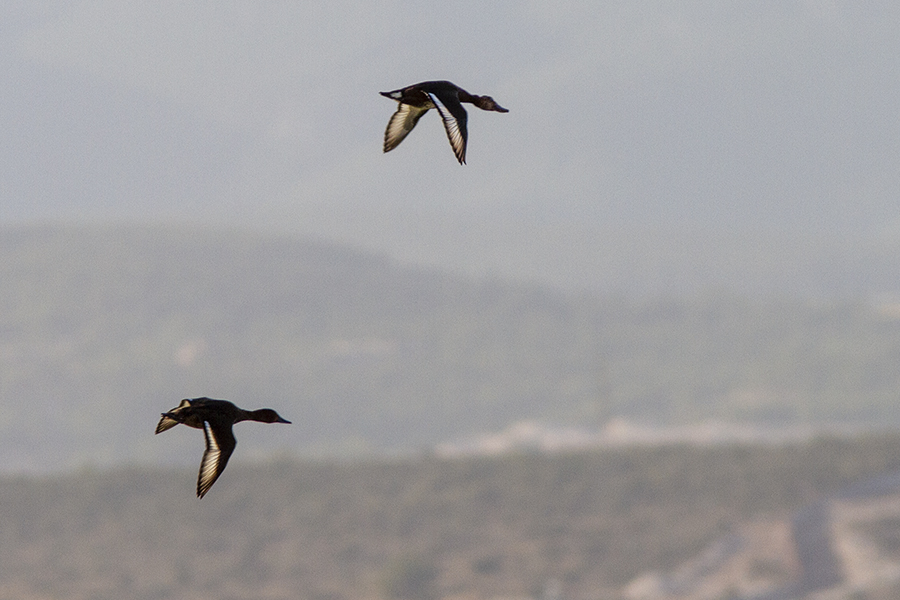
{"x":632,"y":125}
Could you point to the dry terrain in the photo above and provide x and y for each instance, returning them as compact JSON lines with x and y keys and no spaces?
{"x":585,"y":525}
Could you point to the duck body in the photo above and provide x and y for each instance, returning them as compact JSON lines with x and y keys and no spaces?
{"x":215,"y":418}
{"x":445,"y":96}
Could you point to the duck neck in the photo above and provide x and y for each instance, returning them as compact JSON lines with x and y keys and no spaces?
{"x":465,"y":96}
{"x":244,"y":415}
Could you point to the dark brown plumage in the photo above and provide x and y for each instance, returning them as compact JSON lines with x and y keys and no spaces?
{"x":215,"y":418}
{"x":447,"y":98}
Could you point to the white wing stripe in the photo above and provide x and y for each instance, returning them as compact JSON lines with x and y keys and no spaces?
{"x":210,"y":463}
{"x":401,"y":123}
{"x":452,"y":127}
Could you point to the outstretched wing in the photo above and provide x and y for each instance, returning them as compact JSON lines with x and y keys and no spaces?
{"x":165,"y":423}
{"x":454,"y":118}
{"x":401,"y":123}
{"x":168,"y":421}
{"x":220,"y":444}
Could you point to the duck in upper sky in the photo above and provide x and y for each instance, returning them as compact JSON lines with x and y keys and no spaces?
{"x":215,"y":418}
{"x":447,"y":98}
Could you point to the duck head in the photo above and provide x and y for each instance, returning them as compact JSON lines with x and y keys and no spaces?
{"x":488,"y":103}
{"x":267,"y":415}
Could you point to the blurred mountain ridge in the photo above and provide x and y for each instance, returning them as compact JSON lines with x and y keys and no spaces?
{"x":105,"y":327}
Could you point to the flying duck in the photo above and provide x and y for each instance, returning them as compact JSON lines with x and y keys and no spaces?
{"x":215,"y":418}
{"x":447,"y":98}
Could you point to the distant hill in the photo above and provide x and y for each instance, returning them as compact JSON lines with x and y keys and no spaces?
{"x":103,"y":328}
